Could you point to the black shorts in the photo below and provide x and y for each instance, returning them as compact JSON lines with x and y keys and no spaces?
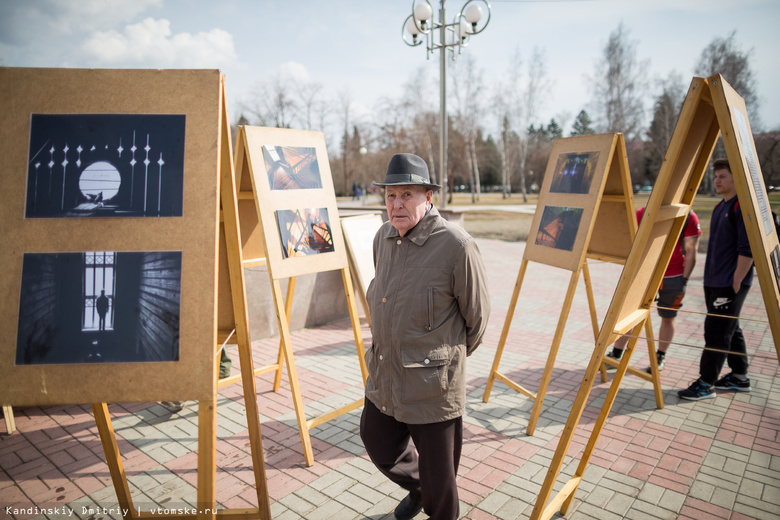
{"x":670,"y":296}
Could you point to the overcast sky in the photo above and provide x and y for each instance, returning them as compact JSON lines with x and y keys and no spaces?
{"x":356,"y":45}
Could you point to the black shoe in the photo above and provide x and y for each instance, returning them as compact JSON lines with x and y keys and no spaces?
{"x":408,"y":508}
{"x":730,"y":382}
{"x":661,"y":361}
{"x":613,"y":354}
{"x":697,"y":391}
{"x":173,"y":406}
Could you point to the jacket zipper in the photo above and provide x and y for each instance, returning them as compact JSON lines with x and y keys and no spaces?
{"x":430,"y":308}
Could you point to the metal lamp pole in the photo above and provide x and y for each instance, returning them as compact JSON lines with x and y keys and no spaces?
{"x":459,"y":31}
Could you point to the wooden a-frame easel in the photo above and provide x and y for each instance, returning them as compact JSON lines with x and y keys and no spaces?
{"x":260,"y":223}
{"x":605,"y":234}
{"x":232,"y":314}
{"x":711,"y":107}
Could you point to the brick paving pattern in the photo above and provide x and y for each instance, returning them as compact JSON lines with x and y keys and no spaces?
{"x":713,"y":459}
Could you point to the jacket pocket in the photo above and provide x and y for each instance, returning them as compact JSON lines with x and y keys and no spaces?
{"x":425,"y":373}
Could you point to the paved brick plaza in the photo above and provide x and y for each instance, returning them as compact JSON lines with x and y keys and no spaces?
{"x":713,"y":459}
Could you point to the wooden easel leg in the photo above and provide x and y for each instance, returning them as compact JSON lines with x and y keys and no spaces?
{"x":556,"y":343}
{"x":300,"y":414}
{"x":594,"y":319}
{"x":655,"y":375}
{"x":288,"y":313}
{"x":542,"y":510}
{"x":113,"y":458}
{"x":8,"y":415}
{"x":505,"y":332}
{"x":603,"y":415}
{"x":255,"y":438}
{"x":207,"y":459}
{"x":355,"y":319}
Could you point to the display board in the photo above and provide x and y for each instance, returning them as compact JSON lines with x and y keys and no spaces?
{"x":585,"y":211}
{"x":123,"y":217}
{"x":359,"y":232}
{"x":109,"y":227}
{"x":753,"y":199}
{"x":291,"y":176}
{"x":574,"y":182}
{"x":711,"y":107}
{"x":295,"y":203}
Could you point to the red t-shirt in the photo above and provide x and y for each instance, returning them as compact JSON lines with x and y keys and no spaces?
{"x":677,"y":262}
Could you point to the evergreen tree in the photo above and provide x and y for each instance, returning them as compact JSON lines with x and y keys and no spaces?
{"x":582,"y":125}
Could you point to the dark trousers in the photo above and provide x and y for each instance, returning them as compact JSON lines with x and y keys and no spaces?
{"x":723,"y":334}
{"x":421,"y":458}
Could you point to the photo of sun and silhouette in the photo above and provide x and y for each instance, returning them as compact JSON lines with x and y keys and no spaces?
{"x":292,"y":168}
{"x":304,"y":231}
{"x":99,"y":307}
{"x":105,"y":165}
{"x":574,"y":172}
{"x":558,"y":227}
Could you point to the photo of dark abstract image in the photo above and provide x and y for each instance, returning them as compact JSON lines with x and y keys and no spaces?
{"x":558,"y":227}
{"x":574,"y":172}
{"x":304,"y":232}
{"x":105,"y":165}
{"x":99,"y":307}
{"x":292,"y":168}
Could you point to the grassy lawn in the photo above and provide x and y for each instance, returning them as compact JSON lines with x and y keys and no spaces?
{"x":504,"y":225}
{"x":512,"y":226}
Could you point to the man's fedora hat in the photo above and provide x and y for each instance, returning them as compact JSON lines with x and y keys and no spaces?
{"x":407,"y":169}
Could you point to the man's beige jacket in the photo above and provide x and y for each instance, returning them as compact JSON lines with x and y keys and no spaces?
{"x":429,"y":308}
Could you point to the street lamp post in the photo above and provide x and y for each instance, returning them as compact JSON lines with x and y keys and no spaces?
{"x":451,"y":36}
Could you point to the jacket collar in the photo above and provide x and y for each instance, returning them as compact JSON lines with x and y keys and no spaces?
{"x":419,"y":233}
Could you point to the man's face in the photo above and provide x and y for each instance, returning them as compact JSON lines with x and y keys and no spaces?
{"x":724,"y":182}
{"x":406,"y":205}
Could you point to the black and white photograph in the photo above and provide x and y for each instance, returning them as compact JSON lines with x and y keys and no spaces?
{"x":754,"y":171}
{"x":99,"y":307}
{"x":292,"y":167}
{"x":105,"y":165}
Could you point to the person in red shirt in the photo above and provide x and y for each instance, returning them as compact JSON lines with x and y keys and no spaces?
{"x":672,"y":291}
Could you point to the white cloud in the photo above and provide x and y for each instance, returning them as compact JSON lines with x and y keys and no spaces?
{"x":22,"y":22}
{"x":294,"y":71}
{"x":151,"y":43}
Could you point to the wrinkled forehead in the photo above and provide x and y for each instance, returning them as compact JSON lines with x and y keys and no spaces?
{"x":404,"y":188}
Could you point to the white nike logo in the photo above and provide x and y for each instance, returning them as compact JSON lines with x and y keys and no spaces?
{"x":720,"y":302}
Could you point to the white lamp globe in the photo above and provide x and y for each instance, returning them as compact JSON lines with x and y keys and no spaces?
{"x":411,"y":27}
{"x":422,"y":11}
{"x":462,"y":29}
{"x":473,"y":13}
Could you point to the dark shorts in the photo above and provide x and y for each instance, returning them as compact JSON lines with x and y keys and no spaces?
{"x":670,"y":296}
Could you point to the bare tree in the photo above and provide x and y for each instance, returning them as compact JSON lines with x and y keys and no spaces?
{"x":345,"y":106}
{"x":525,"y":95}
{"x":724,"y":56}
{"x":618,"y":86}
{"x":310,"y":106}
{"x":467,"y":89}
{"x":665,"y":112}
{"x":423,"y":123}
{"x":271,"y":104}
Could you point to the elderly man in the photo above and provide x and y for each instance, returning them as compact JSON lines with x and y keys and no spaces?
{"x":429,"y":310}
